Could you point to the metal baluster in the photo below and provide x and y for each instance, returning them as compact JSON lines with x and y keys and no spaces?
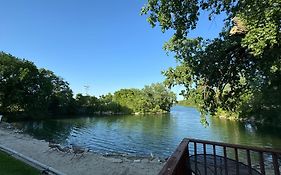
{"x":195,"y":154}
{"x":205,"y":160}
{"x":215,"y":159}
{"x":225,"y":160}
{"x":249,"y":161}
{"x":262,"y":163}
{"x":188,"y":161}
{"x":275,"y":164}
{"x":237,"y":160}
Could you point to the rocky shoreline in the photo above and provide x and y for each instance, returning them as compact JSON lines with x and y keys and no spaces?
{"x":90,"y":163}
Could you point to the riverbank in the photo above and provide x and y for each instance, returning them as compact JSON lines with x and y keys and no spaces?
{"x":91,"y":163}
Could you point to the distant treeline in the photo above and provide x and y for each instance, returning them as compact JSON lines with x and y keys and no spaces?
{"x":188,"y":103}
{"x":151,"y":99}
{"x":27,"y":90}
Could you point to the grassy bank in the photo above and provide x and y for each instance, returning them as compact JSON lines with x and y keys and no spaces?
{"x":12,"y":166}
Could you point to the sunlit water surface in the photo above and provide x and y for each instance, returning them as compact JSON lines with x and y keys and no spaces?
{"x":142,"y":135}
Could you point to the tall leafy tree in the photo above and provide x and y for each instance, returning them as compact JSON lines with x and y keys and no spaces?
{"x":55,"y":91}
{"x":238,"y":72}
{"x":26,"y":89}
{"x":131,"y":99}
{"x":158,"y":97}
{"x":155,"y":98}
{"x":18,"y":84}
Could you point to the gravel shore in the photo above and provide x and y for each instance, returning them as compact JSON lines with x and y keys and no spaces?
{"x":89,"y":164}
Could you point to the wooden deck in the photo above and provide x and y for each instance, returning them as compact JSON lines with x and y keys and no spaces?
{"x":195,"y":156}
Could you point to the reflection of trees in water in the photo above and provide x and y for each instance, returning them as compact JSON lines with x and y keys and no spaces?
{"x":57,"y":130}
{"x":159,"y":134}
{"x":139,"y":131}
{"x":244,"y":133}
{"x":145,"y":133}
{"x":51,"y":130}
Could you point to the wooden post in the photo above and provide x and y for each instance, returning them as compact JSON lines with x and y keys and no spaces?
{"x":177,"y":163}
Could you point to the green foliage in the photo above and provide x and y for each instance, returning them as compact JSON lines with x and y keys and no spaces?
{"x":131,"y":98}
{"x":263,"y":23}
{"x":26,"y":89}
{"x":56,"y":92}
{"x":234,"y":75}
{"x":193,"y":99}
{"x":158,"y":98}
{"x":18,"y":84}
{"x":155,"y":98}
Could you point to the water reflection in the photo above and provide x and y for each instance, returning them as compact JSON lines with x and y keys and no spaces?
{"x":244,"y":133}
{"x":142,"y":135}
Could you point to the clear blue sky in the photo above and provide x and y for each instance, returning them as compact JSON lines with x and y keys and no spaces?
{"x":104,"y":44}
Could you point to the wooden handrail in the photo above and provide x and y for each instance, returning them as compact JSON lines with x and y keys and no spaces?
{"x":179,"y":162}
{"x":253,"y":148}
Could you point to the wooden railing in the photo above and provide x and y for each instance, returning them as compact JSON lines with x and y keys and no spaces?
{"x":253,"y":158}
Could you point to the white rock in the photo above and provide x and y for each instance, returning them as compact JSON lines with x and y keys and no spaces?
{"x":113,"y":160}
{"x":145,"y":160}
{"x":137,"y":161}
{"x":127,"y":160}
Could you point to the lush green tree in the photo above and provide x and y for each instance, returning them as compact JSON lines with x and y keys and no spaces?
{"x":86,"y":104}
{"x":29,"y":90}
{"x":151,"y":99}
{"x":61,"y":96}
{"x":93,"y":105}
{"x":238,"y":72}
{"x":130,"y":99}
{"x":18,"y":84}
{"x":109,"y":105}
{"x":158,"y":97}
{"x":55,"y":92}
{"x":193,"y":99}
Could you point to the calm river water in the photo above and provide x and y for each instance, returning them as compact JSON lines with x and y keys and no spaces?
{"x":143,"y":135}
